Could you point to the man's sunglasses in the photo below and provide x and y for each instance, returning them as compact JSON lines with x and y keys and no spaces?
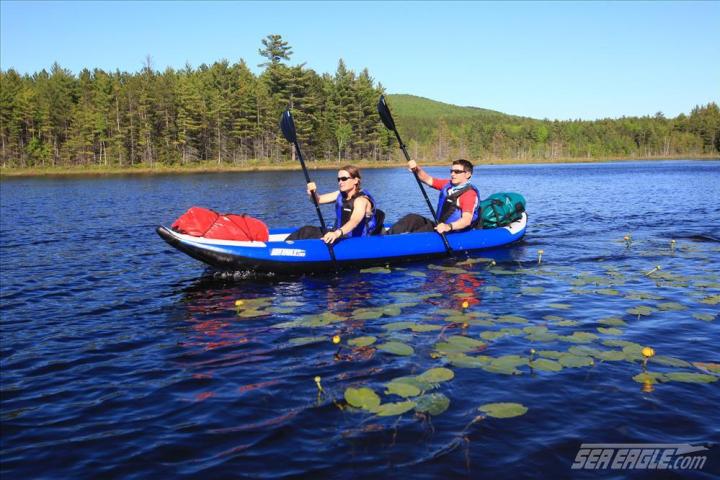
{"x":456,"y":172}
{"x":343,"y":179}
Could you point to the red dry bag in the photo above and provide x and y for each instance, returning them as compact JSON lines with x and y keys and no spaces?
{"x":202,"y":222}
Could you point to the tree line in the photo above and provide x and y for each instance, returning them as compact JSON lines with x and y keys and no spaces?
{"x":225,"y":113}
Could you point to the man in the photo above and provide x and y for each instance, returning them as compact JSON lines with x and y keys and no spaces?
{"x":457,"y":205}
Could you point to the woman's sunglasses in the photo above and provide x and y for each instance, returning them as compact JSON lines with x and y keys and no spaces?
{"x":456,"y":172}
{"x":343,"y":179}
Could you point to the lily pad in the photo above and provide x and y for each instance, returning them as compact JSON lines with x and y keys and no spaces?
{"x":609,"y":331}
{"x":690,"y":377}
{"x":396,"y":348}
{"x":502,"y":369}
{"x":554,"y":354}
{"x":307,"y":340}
{"x":642,"y":310}
{"x":633,"y":352}
{"x":553,"y":318}
{"x":708,"y":367}
{"x":608,"y":291}
{"x":510,"y":361}
{"x":433,"y":403}
{"x":532,"y":290}
{"x":560,"y":306}
{"x":425,"y":327}
{"x":291,"y":303}
{"x":546,"y":365}
{"x":576,"y":361}
{"x":643,"y":296}
{"x":613,"y":321}
{"x":364,"y":398}
{"x":436,"y":375}
{"x":252,"y":313}
{"x":648,"y":377}
{"x":367,"y":314}
{"x":711,"y":300}
{"x":493,"y":289}
{"x":611,"y":355}
{"x":535,"y":329}
{"x":398,"y":408}
{"x":620,"y":343}
{"x":671,"y":306}
{"x":670,"y":361}
{"x":280,"y":310}
{"x":579,"y":337}
{"x":463,"y":360}
{"x":705,"y":317}
{"x":415,"y":273}
{"x":467,"y":342}
{"x":391,"y":311}
{"x":511,"y":319}
{"x":392,"y":327}
{"x":402,"y":389}
{"x":489,"y":335}
{"x":361,"y":341}
{"x":503,"y":410}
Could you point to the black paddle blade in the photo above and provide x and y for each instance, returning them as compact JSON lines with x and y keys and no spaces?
{"x":288,"y":126}
{"x":384,"y":112}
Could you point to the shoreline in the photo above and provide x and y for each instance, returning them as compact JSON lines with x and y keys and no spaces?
{"x":93,"y":171}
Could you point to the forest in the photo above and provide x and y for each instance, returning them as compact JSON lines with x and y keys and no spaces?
{"x":224,"y":114}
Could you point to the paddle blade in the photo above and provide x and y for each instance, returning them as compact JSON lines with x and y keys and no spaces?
{"x":384,"y":112}
{"x":287,"y":125}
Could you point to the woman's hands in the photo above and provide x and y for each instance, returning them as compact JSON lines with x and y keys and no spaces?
{"x":332,"y":237}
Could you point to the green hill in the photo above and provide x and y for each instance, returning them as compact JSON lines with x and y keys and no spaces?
{"x":411,"y":106}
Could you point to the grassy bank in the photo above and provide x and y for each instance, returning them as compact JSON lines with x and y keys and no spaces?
{"x":214,"y":167}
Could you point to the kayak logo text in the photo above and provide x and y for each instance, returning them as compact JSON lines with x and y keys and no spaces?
{"x":287,"y":252}
{"x":639,"y":456}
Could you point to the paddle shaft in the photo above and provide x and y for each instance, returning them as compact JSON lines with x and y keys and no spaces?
{"x":315,"y":202}
{"x":422,"y":189}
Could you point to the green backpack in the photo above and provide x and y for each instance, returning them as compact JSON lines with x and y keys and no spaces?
{"x":500,"y":209}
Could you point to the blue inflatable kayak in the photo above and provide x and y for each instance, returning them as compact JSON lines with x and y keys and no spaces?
{"x":300,"y":256}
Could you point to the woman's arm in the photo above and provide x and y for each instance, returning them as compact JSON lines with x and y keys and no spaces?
{"x":325,"y":197}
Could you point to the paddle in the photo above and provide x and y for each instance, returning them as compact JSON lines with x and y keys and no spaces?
{"x":389,"y":123}
{"x":287,"y":125}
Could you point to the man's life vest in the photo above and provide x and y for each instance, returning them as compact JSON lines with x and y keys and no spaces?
{"x":448,"y":208}
{"x":343,"y":211}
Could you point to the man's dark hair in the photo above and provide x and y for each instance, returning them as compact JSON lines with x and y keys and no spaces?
{"x":467,"y":166}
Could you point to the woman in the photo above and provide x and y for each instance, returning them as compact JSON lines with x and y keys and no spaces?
{"x":355,"y":212}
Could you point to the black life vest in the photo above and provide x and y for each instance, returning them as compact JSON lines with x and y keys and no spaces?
{"x":343,"y":211}
{"x":448,"y":208}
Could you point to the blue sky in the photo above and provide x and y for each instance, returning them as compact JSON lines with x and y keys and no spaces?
{"x":540,"y":59}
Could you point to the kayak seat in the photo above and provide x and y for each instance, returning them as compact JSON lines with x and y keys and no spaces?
{"x":379,"y":220}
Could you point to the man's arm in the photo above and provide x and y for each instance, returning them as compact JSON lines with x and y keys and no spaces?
{"x":424,"y":177}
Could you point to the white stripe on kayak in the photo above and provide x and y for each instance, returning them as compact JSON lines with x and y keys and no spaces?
{"x":222,"y":243}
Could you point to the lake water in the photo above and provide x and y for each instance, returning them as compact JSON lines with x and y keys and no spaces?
{"x":122,"y":357}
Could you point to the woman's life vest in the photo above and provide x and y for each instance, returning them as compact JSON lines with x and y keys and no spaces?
{"x":344,"y":209}
{"x":448,"y":208}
